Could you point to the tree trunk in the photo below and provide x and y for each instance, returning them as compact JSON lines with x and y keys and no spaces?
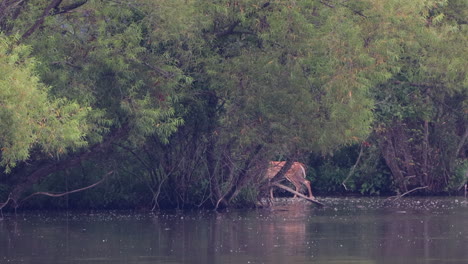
{"x":425,"y":155}
{"x":280,"y":175}
{"x":388,"y":151}
{"x":240,"y":180}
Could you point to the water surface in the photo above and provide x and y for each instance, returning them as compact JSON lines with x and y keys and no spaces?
{"x":349,"y":230}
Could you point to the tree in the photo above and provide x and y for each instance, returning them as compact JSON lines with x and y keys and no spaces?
{"x":192,"y":98}
{"x":99,"y":56}
{"x":31,"y":120}
{"x":289,"y":79}
{"x":420,"y":122}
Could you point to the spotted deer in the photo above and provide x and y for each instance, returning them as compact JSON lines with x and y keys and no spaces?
{"x":296,"y":175}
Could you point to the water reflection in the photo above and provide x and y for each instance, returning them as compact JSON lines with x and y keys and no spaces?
{"x":348,"y":231}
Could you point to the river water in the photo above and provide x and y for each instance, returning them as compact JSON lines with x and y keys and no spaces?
{"x":348,"y":230}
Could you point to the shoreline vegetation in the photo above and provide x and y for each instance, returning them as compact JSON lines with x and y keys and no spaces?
{"x":183,"y":104}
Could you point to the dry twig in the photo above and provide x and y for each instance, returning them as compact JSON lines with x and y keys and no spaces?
{"x":408,"y":192}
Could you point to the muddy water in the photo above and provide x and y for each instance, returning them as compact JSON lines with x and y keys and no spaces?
{"x":349,"y":230}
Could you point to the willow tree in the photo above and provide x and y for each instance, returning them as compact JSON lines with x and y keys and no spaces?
{"x":290,"y":78}
{"x":193,"y":97}
{"x":421,"y":124}
{"x":297,"y":77}
{"x":33,"y":123}
{"x":97,"y":54}
{"x":29,"y":118}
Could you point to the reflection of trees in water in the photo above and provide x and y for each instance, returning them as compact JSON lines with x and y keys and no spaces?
{"x":294,"y":232}
{"x":422,"y":236}
{"x":279,"y":233}
{"x":287,"y":228}
{"x":8,"y":230}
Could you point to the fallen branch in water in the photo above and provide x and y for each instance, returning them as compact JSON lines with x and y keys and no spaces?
{"x":66,"y":193}
{"x":406,"y":193}
{"x":297,"y":193}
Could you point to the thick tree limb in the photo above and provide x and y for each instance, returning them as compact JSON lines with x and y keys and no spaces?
{"x":229,"y":30}
{"x":280,"y":175}
{"x":420,"y":85}
{"x":241,"y":179}
{"x":461,"y":143}
{"x":389,"y":149}
{"x":69,"y":7}
{"x":328,"y":4}
{"x":53,"y":5}
{"x":297,"y":193}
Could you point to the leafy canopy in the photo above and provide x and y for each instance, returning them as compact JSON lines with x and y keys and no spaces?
{"x":29,"y":117}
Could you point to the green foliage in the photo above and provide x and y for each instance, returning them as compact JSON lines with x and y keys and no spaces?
{"x":290,"y":83}
{"x":419,"y":120}
{"x":459,"y":177}
{"x":202,"y":93}
{"x":329,"y":177}
{"x":248,"y":197}
{"x":369,"y":177}
{"x":377,"y":182}
{"x":29,"y":117}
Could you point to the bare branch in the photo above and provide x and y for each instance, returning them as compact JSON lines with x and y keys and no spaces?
{"x":353,"y":168}
{"x":69,"y":192}
{"x":2,"y":205}
{"x":327,"y":4}
{"x":70,"y":162}
{"x":408,"y":192}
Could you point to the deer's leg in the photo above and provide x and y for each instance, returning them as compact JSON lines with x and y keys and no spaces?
{"x":298,"y":188}
{"x":309,"y":189}
{"x":271,"y":193}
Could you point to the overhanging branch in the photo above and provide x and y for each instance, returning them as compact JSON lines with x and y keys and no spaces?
{"x":394,"y":198}
{"x":53,"y":5}
{"x":70,"y":162}
{"x":330,"y":5}
{"x":69,"y":192}
{"x":69,"y":8}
